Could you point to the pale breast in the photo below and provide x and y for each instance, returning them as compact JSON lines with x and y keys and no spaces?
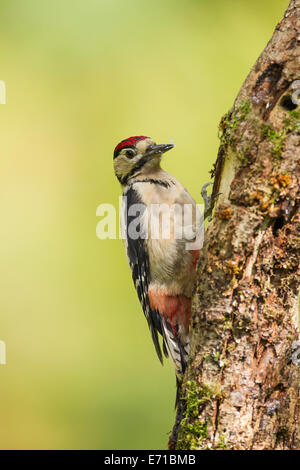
{"x":172,"y":223}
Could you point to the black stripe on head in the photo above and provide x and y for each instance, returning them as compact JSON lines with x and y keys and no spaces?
{"x":142,"y":161}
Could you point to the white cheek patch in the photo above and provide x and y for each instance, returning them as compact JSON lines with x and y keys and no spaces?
{"x":123,"y":165}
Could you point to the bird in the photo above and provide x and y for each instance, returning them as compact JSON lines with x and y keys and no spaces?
{"x":163,"y":265}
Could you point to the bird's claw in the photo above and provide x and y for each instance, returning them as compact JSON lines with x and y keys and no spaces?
{"x":204,"y":195}
{"x":209,"y":201}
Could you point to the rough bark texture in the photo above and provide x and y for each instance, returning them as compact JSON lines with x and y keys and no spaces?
{"x":241,"y":389}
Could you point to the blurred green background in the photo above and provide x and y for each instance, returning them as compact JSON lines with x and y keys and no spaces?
{"x":81,"y":75}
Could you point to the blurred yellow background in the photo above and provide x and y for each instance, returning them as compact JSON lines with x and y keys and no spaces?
{"x":81,"y":75}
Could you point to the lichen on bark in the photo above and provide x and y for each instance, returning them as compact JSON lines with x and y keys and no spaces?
{"x":245,"y":308}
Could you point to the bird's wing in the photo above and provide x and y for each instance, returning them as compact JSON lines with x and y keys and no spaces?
{"x":138,"y":259}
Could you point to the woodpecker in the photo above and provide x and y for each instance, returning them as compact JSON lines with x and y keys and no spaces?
{"x":163,"y":268}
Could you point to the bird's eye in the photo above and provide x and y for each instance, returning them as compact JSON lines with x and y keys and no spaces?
{"x":130,"y":153}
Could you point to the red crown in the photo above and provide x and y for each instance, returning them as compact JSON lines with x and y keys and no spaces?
{"x":130,"y":142}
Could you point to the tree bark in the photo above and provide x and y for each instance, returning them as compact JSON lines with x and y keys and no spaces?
{"x":241,"y":387}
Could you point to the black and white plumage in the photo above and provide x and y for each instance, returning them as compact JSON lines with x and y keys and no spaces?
{"x":138,"y":260}
{"x":163,"y":270}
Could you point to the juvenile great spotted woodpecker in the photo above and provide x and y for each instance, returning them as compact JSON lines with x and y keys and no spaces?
{"x":163,"y":267}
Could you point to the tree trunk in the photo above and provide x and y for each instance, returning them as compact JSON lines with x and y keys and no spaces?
{"x":241,"y":388}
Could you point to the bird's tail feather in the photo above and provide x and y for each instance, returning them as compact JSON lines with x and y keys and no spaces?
{"x":177,"y":351}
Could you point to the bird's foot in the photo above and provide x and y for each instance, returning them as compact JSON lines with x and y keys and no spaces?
{"x":209,"y":201}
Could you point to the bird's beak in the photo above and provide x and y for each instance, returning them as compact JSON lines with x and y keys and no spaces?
{"x":158,"y":149}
